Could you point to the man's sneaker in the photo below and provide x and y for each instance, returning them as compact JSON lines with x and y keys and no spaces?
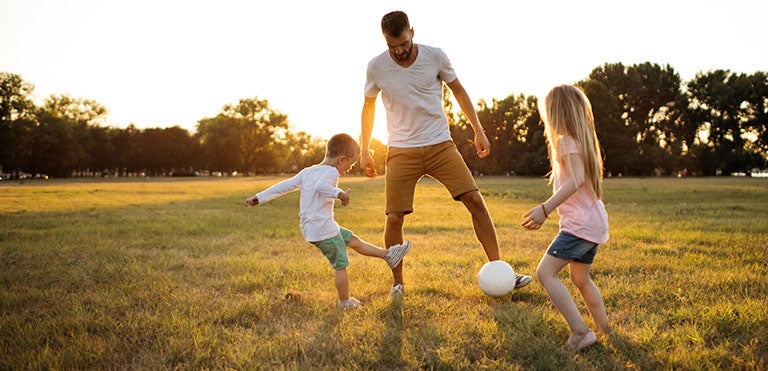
{"x":521,"y":281}
{"x":395,"y":253}
{"x":397,"y":292}
{"x":351,"y":303}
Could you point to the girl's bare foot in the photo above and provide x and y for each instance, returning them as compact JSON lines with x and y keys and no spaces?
{"x":578,"y":343}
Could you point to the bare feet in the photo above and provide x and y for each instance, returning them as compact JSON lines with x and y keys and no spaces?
{"x":577,"y":343}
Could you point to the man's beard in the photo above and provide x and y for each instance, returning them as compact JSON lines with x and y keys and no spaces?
{"x":406,"y":56}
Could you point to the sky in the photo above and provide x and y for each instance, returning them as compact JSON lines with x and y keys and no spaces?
{"x":162,"y":63}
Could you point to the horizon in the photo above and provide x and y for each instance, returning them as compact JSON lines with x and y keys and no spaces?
{"x":174,"y":63}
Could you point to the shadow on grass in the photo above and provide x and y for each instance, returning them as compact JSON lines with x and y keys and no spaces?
{"x":531,"y":341}
{"x":391,"y":351}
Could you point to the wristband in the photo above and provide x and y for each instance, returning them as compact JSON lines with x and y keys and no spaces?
{"x":546,"y":214}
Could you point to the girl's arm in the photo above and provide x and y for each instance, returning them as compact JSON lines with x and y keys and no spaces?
{"x":535,"y":217}
{"x":571,"y":186}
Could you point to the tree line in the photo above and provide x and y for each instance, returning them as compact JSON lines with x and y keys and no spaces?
{"x":648,"y":121}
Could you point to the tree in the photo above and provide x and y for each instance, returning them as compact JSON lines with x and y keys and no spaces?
{"x":62,"y":138}
{"x":616,"y":137}
{"x":512,"y":127}
{"x":730,"y":111}
{"x":16,"y":120}
{"x":247,"y":137}
{"x":165,"y":151}
{"x":509,"y":124}
{"x":647,"y":98}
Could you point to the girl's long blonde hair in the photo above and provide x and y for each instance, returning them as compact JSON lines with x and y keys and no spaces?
{"x":566,"y":111}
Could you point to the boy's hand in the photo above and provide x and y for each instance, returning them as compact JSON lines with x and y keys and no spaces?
{"x":344,"y":197}
{"x":251,"y":201}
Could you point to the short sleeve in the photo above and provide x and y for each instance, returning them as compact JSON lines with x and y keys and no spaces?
{"x":371,"y":89}
{"x":566,"y":146}
{"x":446,"y":72}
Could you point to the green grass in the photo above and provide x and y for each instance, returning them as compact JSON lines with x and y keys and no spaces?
{"x":165,"y":274}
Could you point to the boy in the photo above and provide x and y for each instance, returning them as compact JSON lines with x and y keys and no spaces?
{"x":319,"y":189}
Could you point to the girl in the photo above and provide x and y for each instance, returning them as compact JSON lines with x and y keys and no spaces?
{"x":577,"y":173}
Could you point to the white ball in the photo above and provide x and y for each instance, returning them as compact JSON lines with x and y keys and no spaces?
{"x":496,"y":278}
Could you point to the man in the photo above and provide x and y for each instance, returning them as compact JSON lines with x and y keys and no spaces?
{"x":410,"y":78}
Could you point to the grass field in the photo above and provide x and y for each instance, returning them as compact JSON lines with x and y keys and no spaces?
{"x":167,"y":274}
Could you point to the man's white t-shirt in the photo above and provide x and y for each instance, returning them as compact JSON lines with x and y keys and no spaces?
{"x":319,"y":190}
{"x":412,"y":96}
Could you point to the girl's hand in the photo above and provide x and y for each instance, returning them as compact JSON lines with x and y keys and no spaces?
{"x":534,"y":218}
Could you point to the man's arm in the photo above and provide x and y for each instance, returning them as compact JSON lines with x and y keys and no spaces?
{"x":482,"y":145}
{"x":366,"y":159}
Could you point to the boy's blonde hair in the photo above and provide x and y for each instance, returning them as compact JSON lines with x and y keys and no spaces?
{"x":566,"y":110}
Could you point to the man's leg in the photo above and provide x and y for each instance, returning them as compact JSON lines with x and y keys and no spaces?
{"x":393,"y":235}
{"x":482,"y":223}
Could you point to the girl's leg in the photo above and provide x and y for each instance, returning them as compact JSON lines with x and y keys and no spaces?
{"x":561,"y":297}
{"x":591,"y":294}
{"x":342,"y":283}
{"x":365,"y":248}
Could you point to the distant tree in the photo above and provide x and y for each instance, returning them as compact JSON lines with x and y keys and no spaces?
{"x":647,"y":98}
{"x":16,"y":121}
{"x":165,"y":151}
{"x":756,"y":126}
{"x":301,"y":150}
{"x":246,"y":137}
{"x":730,"y":111}
{"x":379,"y":155}
{"x":102,"y":153}
{"x":125,"y":142}
{"x":60,"y":143}
{"x":512,"y":127}
{"x":617,"y":138}
{"x":532,"y":158}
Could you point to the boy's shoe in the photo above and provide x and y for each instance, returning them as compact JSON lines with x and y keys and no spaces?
{"x":350,"y":303}
{"x":397,"y":292}
{"x":395,"y":253}
{"x":521,"y":281}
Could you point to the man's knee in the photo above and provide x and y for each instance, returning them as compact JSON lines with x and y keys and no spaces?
{"x":395,"y":220}
{"x":473,"y":201}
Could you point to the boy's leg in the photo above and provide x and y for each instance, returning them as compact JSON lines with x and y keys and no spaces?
{"x":482,"y":223}
{"x":341,"y":279}
{"x":365,"y":248}
{"x":580,"y":277}
{"x":561,"y":297}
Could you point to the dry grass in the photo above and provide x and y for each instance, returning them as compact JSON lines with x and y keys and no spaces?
{"x":165,"y":274}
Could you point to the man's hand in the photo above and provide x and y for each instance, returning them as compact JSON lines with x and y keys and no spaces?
{"x":367,"y":164}
{"x":482,"y":145}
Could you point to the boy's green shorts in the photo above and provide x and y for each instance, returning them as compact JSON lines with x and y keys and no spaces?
{"x":335,"y":248}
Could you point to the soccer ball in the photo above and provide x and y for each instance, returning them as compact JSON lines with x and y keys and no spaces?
{"x":496,"y":278}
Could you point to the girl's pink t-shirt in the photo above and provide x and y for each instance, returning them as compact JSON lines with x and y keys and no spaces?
{"x":583,"y":214}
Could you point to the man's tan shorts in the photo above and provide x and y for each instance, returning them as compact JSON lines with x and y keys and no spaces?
{"x":405,"y":166}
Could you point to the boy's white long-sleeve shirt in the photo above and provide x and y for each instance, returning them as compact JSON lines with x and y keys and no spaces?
{"x":319,"y":190}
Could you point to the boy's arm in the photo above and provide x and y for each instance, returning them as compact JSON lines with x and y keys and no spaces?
{"x":276,"y":190}
{"x":328,"y":186}
{"x":252,"y":201}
